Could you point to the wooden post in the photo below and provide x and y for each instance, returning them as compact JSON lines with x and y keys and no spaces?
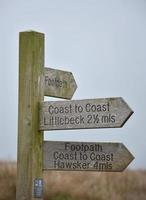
{"x":31,"y":93}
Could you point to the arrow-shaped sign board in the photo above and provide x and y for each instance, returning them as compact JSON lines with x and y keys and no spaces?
{"x":83,"y":114}
{"x":112,"y":157}
{"x":59,"y":83}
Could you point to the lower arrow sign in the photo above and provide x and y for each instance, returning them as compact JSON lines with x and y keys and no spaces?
{"x":85,"y":156}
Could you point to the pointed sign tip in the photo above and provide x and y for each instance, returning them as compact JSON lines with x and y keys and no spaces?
{"x":129,"y":159}
{"x":127,"y":112}
{"x":131,"y":112}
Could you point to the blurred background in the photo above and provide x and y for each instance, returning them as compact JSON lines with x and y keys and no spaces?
{"x":103,"y":43}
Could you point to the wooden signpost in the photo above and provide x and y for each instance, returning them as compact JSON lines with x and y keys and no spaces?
{"x":58,"y":83}
{"x":81,"y":114}
{"x":31,"y":93}
{"x":35,"y":116}
{"x":85,"y":156}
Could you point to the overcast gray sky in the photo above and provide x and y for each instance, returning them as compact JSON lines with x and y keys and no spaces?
{"x":102,"y":42}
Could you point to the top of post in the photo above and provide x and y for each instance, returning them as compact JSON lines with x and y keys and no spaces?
{"x":31,"y":32}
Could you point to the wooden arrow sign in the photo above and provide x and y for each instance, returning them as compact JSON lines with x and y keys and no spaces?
{"x":59,"y":83}
{"x":81,"y":114}
{"x":85,"y":156}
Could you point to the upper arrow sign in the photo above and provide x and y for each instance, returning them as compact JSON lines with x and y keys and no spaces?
{"x":59,"y":83}
{"x":81,"y":114}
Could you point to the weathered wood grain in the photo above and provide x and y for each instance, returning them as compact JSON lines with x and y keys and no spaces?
{"x":85,"y":156}
{"x":83,"y":114}
{"x":58,"y":83}
{"x":31,"y":93}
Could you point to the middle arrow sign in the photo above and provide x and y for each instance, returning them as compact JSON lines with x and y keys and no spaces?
{"x":83,"y":114}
